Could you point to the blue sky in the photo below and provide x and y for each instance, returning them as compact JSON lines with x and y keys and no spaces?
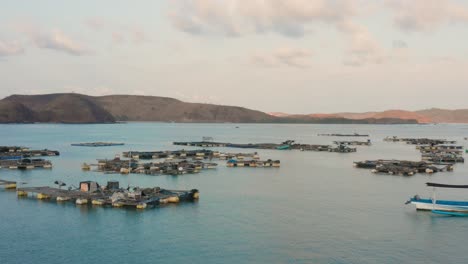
{"x":296,"y":56}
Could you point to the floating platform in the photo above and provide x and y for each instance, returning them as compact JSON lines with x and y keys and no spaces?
{"x":186,"y":154}
{"x":286,"y":145}
{"x":8,"y":184}
{"x":18,"y":153}
{"x":26,"y":164}
{"x":97,"y":144}
{"x":403,"y":167}
{"x":343,"y":135}
{"x":254,"y":163}
{"x":354,"y":143}
{"x":111,"y":195}
{"x":420,"y":141}
{"x":173,"y":167}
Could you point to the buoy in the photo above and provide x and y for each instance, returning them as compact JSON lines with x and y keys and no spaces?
{"x":80,"y":201}
{"x":21,"y":193}
{"x":97,"y":202}
{"x":10,"y":186}
{"x":429,"y":171}
{"x":117,"y":204}
{"x":42,"y":196}
{"x":141,"y":206}
{"x":62,"y":198}
{"x":173,"y":199}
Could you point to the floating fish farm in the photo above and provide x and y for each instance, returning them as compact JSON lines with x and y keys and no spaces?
{"x":90,"y":192}
{"x":354,"y":143}
{"x":173,"y":167}
{"x":15,"y":152}
{"x":286,"y":145}
{"x":185,"y":154}
{"x":97,"y":144}
{"x":419,"y":141}
{"x":26,"y":164}
{"x":254,"y":163}
{"x":343,"y":135}
{"x":403,"y":167}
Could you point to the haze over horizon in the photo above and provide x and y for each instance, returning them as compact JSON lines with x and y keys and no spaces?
{"x":297,"y":56}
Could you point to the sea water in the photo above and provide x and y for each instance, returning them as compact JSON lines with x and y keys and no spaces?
{"x":316,"y":208}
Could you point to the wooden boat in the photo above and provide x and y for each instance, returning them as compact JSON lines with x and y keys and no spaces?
{"x":442,"y":207}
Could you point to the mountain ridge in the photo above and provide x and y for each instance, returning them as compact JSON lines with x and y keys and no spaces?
{"x":79,"y":108}
{"x":425,"y":116}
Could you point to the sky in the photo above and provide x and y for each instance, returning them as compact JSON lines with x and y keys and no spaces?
{"x":294,"y":56}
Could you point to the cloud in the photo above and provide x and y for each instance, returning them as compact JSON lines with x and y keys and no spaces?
{"x":292,"y":57}
{"x":57,"y":40}
{"x":426,"y":15}
{"x":119,"y":33}
{"x":399,"y":44}
{"x":10,"y":48}
{"x":292,"y":18}
{"x":363,"y":48}
{"x":95,"y":23}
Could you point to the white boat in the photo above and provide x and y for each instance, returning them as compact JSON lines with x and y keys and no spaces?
{"x":445,"y":207}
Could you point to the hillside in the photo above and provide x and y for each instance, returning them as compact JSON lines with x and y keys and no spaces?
{"x":433,"y":115}
{"x":445,"y":116}
{"x":151,"y":108}
{"x":58,"y":108}
{"x":78,"y":108}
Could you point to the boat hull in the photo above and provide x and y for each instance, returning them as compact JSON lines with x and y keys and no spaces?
{"x":440,"y":205}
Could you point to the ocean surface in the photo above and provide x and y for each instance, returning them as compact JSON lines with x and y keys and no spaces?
{"x":316,"y":208}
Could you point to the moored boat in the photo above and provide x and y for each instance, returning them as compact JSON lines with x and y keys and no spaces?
{"x":443,"y":207}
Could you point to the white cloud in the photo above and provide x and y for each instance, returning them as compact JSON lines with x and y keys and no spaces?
{"x":95,"y":23}
{"x":363,"y":48}
{"x":426,"y":15}
{"x":57,"y":40}
{"x":238,"y":17}
{"x":286,"y":56}
{"x":10,"y":48}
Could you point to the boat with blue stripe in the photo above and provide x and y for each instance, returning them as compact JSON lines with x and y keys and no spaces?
{"x":441,"y":207}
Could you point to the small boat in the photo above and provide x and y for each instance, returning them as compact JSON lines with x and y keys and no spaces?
{"x":283,"y":147}
{"x":441,"y":207}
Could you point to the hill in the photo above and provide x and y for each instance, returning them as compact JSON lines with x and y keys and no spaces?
{"x":57,"y":108}
{"x":78,"y":108}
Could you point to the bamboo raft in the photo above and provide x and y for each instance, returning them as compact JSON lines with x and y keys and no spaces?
{"x":111,"y":195}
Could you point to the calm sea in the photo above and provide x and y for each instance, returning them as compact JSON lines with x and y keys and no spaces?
{"x":316,"y":208}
